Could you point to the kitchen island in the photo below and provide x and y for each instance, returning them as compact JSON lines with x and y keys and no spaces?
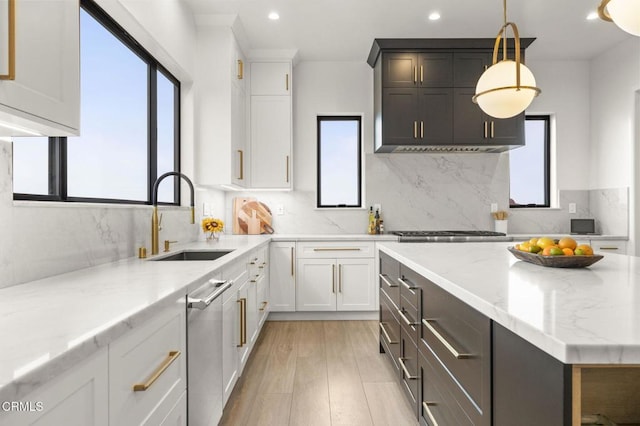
{"x":581,"y":322}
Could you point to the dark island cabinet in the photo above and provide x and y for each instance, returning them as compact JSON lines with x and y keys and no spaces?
{"x":469,"y":66}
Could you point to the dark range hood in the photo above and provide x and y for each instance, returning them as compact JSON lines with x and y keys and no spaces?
{"x":422,"y":98}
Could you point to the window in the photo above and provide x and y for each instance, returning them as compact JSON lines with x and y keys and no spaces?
{"x":529,"y":165}
{"x":129,"y":121}
{"x":339,"y":161}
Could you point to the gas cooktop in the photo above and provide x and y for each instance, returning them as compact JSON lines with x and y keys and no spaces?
{"x":449,"y":236}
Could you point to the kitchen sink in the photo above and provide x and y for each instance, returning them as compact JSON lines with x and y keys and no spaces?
{"x":195,"y":255}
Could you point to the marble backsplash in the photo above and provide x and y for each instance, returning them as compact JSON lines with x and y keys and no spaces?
{"x":39,"y":239}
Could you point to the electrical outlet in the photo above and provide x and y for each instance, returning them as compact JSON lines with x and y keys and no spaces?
{"x":494,"y":207}
{"x":377,"y":207}
{"x":572,"y":207}
{"x":206,"y":209}
{"x":279,"y":209}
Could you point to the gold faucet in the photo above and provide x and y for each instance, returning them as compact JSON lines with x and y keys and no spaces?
{"x":155,"y":246}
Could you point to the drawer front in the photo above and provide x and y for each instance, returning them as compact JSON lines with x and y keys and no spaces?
{"x":139,"y":357}
{"x":410,"y":285}
{"x":438,"y":404}
{"x":239,"y":273}
{"x":388,"y":278}
{"x":609,"y":246}
{"x":389,"y":329}
{"x":461,"y":339}
{"x":257,"y":264}
{"x":334,"y":249}
{"x":408,"y":361}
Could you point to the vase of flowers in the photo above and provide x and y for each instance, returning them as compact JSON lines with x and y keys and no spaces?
{"x":212,"y":227}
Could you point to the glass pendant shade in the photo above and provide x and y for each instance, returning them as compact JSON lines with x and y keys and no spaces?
{"x":498,"y":93}
{"x":624,"y":13}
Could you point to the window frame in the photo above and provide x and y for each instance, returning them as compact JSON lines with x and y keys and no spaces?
{"x":546,"y":118}
{"x":58,"y":144}
{"x":319,"y":120}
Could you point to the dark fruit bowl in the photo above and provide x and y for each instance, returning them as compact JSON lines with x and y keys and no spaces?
{"x":556,"y":261}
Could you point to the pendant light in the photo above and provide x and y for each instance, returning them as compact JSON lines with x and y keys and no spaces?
{"x":507,"y":87}
{"x":624,"y":13}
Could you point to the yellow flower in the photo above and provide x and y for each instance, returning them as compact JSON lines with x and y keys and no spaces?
{"x":210,"y":224}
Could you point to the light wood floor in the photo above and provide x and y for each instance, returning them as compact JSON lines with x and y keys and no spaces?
{"x":318,"y":373}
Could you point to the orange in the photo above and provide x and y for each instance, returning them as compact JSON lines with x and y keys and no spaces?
{"x":567,"y":251}
{"x":567,"y":242}
{"x":585,"y":249}
{"x":517,"y":246}
{"x":545,"y":242}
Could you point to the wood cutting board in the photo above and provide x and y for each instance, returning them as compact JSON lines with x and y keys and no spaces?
{"x":251,"y":217}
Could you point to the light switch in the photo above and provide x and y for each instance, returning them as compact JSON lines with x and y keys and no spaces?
{"x":279,"y":209}
{"x":494,"y":207}
{"x":206,"y":209}
{"x":572,"y":207}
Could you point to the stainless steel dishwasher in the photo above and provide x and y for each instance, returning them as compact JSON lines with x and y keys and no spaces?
{"x":204,"y":353}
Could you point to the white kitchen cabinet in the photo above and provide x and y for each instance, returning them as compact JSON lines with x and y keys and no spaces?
{"x":44,"y":95}
{"x":271,"y":142}
{"x":258,"y":300}
{"x":176,"y":417}
{"x":78,"y":397}
{"x":335,"y":276}
{"x":609,"y":246}
{"x":147,"y":369}
{"x":282,"y":278}
{"x":220,"y":125}
{"x":271,"y":78}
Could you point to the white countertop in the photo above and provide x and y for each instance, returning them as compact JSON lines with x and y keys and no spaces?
{"x":518,"y":237}
{"x":579,"y":316}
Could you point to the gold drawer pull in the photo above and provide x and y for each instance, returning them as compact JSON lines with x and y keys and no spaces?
{"x":425,"y":405}
{"x":406,"y":320}
{"x":11,"y":30}
{"x":386,"y":335}
{"x":140,"y":387}
{"x":264,"y":305}
{"x":406,"y":372}
{"x":608,"y":248}
{"x":336,"y":249}
{"x":241,"y":154}
{"x":444,"y":341}
{"x":383,"y":277}
{"x":240,"y":69}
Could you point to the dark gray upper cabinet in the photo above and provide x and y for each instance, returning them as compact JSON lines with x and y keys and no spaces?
{"x":422,"y":97}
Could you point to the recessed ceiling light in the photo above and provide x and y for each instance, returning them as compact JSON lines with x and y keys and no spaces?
{"x":274,"y":16}
{"x":592,"y":15}
{"x":434,"y":16}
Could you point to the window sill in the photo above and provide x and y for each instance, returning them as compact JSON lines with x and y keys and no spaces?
{"x":59,"y":204}
{"x":535,"y":209}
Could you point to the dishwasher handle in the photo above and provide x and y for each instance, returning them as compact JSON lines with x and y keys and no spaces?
{"x":202,"y":304}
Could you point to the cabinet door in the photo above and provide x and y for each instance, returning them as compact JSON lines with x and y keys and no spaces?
{"x":400,"y":70}
{"x":401,"y":121}
{"x":468,"y":67}
{"x":435,"y":69}
{"x":46,"y":88}
{"x":252,"y":310}
{"x":356,"y":285}
{"x":316,"y":284}
{"x":270,"y":78}
{"x":244,"y":296}
{"x":271,"y":142}
{"x":78,"y":397}
{"x":471,"y":126}
{"x":282,"y":280}
{"x":230,"y":340}
{"x":239,"y":155}
{"x":436,"y":116}
{"x":508,"y":131}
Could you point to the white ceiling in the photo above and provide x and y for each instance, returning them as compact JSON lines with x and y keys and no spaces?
{"x":343,"y":30}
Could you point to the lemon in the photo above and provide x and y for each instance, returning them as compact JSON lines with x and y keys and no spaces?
{"x":545,"y":242}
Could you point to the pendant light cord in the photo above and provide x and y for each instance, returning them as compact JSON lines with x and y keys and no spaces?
{"x":504,"y":35}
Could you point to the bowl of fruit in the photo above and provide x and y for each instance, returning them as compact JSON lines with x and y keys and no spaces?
{"x":556,"y":253}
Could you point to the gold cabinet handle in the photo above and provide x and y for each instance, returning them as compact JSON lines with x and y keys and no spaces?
{"x":240,"y":69}
{"x":425,"y":405}
{"x":292,"y":269}
{"x":11,"y":29}
{"x":336,"y":249}
{"x":415,"y":130}
{"x":444,"y":341}
{"x":340,"y":278}
{"x":264,"y":305}
{"x":287,"y":166}
{"x":407,"y":285}
{"x":286,"y":82}
{"x":406,"y":372}
{"x":422,"y":130}
{"x":386,"y":335}
{"x":241,"y":155}
{"x":608,"y":248}
{"x":243,"y":321}
{"x":415,"y":75}
{"x":486,"y":130}
{"x":333,"y":278}
{"x":384,"y":277}
{"x":141,"y":387}
{"x":492,"y":129}
{"x":406,"y":320}
{"x":421,"y":74}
